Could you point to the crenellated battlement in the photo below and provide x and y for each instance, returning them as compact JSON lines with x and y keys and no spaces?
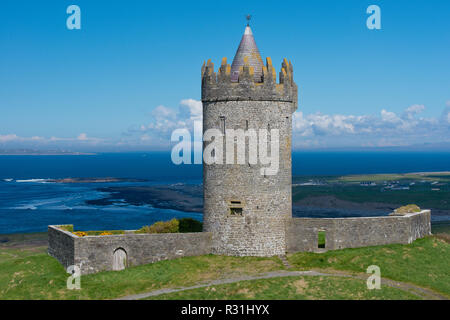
{"x":218,"y":86}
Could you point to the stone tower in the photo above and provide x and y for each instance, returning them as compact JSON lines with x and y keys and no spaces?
{"x":245,"y":210}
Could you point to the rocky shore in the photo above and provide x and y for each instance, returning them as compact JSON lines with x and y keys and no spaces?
{"x":188,"y":198}
{"x":94,"y":180}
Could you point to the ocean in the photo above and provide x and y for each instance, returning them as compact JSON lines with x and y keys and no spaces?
{"x":28,"y":202}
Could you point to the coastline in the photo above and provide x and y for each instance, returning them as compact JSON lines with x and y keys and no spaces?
{"x":187,"y":198}
{"x":95,"y":180}
{"x":49,"y":154}
{"x":109,"y":201}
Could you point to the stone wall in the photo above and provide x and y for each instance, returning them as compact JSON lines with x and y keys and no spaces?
{"x":95,"y":253}
{"x":420,"y":225}
{"x":260,"y":234}
{"x":302,"y":233}
{"x":61,"y":245}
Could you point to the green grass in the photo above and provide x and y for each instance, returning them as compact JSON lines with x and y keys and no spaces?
{"x":67,"y":227}
{"x":32,"y":274}
{"x":377,"y":177}
{"x":425,"y":262}
{"x":29,"y":273}
{"x":321,"y":239}
{"x":443,"y":177}
{"x":389,"y":177}
{"x":421,"y":195}
{"x":348,"y":188}
{"x":287,"y":288}
{"x":19,"y":238}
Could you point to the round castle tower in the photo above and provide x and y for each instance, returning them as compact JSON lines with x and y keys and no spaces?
{"x":245,"y":209}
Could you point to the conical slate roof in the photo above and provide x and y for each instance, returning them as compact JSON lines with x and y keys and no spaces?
{"x":248,"y":48}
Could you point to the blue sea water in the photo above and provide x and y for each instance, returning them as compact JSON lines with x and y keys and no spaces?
{"x":29,"y":204}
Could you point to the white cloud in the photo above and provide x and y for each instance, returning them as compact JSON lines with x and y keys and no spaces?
{"x":388,"y":116}
{"x":445,"y":117}
{"x":387,"y":129}
{"x":413,"y":110}
{"x":312,"y":130}
{"x":194,"y":108}
{"x":146,"y":137}
{"x":14,"y":138}
{"x":322,"y":124}
{"x":8,"y":138}
{"x":163,"y":121}
{"x":82,"y":137}
{"x":161,"y":112}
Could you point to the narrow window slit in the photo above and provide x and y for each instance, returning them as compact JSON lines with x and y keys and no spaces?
{"x":321,"y":239}
{"x":222,"y":124}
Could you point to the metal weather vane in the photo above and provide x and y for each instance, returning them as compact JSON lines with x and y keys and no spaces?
{"x":248,"y":17}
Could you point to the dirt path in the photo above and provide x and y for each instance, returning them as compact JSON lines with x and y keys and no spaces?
{"x":413,"y":289}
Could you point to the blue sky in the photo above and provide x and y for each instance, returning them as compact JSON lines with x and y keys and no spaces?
{"x":132,"y":73}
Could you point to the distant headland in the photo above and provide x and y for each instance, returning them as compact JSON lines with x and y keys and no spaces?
{"x":30,"y":152}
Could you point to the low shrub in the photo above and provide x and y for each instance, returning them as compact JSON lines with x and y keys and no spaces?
{"x":171,"y":226}
{"x":190,"y":225}
{"x":92,"y":232}
{"x":104,"y":232}
{"x":66,"y":227}
{"x":410,"y":208}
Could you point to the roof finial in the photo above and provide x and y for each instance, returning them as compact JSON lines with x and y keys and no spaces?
{"x":248,"y":17}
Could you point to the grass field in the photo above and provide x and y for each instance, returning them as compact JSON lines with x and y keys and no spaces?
{"x":420,"y":195}
{"x":20,"y":238}
{"x":27,"y":272}
{"x":348,"y":188}
{"x":430,"y":176}
{"x":287,"y":288}
{"x":440,"y":227}
{"x":388,"y":177}
{"x":425,"y":262}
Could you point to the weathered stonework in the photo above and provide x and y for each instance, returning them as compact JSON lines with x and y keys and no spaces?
{"x":95,"y":253}
{"x":302,"y":233}
{"x":259,"y":230}
{"x":61,"y":245}
{"x":219,"y":87}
